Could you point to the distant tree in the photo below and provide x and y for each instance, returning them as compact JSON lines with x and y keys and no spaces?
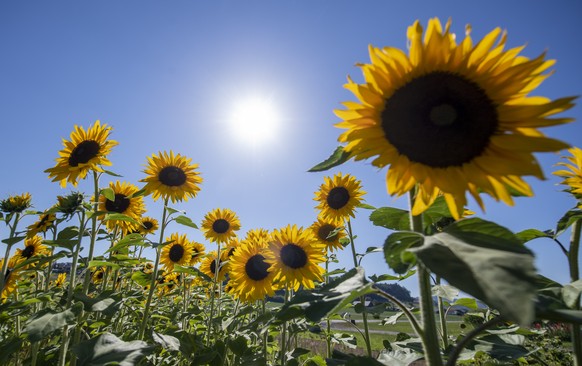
{"x":394,"y":289}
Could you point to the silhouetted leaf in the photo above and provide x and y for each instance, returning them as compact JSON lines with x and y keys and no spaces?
{"x":107,"y":349}
{"x":338,"y":157}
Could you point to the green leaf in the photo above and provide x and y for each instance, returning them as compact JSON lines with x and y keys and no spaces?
{"x":186,"y":221}
{"x":567,"y":220}
{"x":400,"y":357}
{"x":338,"y":157}
{"x":47,"y":321}
{"x":8,"y":347}
{"x":13,"y":240}
{"x":505,"y":347}
{"x":466,"y":302}
{"x":391,"y":218}
{"x":447,"y":292}
{"x":168,"y":342}
{"x":531,"y":234}
{"x":107,"y":349}
{"x":103,"y":264}
{"x":396,"y":245}
{"x":108,"y":172}
{"x":107,"y":302}
{"x":109,"y":194}
{"x":193,"y":271}
{"x":141,"y":278}
{"x":238,"y":346}
{"x":366,"y":206}
{"x":126,"y":241}
{"x":487,"y":261}
{"x":119,"y":217}
{"x":330,"y":298}
{"x":571,"y":293}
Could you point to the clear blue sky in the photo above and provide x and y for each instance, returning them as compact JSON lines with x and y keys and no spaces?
{"x":167,"y":75}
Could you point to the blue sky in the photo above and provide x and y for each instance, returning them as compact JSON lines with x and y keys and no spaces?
{"x":168,"y":75}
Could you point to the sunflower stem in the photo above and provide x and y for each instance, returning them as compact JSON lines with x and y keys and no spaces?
{"x":430,"y":342}
{"x":93,"y":234}
{"x":213,"y":293}
{"x":8,"y":247}
{"x":284,"y":331}
{"x":328,"y":322}
{"x":442,"y":318}
{"x":573,"y":261}
{"x":154,"y":274}
{"x":362,"y":298}
{"x":266,"y":332}
{"x":411,"y":318}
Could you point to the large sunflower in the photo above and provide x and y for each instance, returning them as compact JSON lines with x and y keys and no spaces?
{"x":16,"y":203}
{"x":178,"y":251}
{"x":171,"y":177}
{"x":328,"y":233}
{"x":451,"y":117}
{"x":124,"y":203}
{"x":338,"y":197}
{"x":86,"y":151}
{"x":294,"y":257}
{"x":45,"y":221}
{"x":250,"y":278}
{"x":208,"y":265}
{"x":220,"y":225}
{"x":573,"y":173}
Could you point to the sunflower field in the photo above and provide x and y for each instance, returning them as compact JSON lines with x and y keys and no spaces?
{"x":445,"y":119}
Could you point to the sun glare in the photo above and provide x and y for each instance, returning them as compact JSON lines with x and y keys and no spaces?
{"x":254,"y":120}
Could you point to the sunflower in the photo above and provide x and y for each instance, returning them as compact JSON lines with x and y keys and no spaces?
{"x":97,"y":276}
{"x":258,"y":234}
{"x":171,"y":177}
{"x":451,"y":117}
{"x":70,"y":203}
{"x":86,"y":151}
{"x":294,"y":256}
{"x":338,"y":197}
{"x":10,"y":277}
{"x":573,"y":173}
{"x":45,"y":221}
{"x":148,"y":225}
{"x":60,"y":281}
{"x":168,"y":282}
{"x":328,"y":233}
{"x":197,"y":252}
{"x":208,"y":265}
{"x":250,"y":278}
{"x":220,"y":225}
{"x":124,"y":203}
{"x":147,"y":268}
{"x":33,"y":247}
{"x":178,"y":251}
{"x":16,"y":204}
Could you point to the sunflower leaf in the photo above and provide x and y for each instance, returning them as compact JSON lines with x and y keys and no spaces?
{"x":103,"y":264}
{"x":120,"y":217}
{"x":131,"y":239}
{"x":47,"y":321}
{"x":395,"y":247}
{"x":109,"y":194}
{"x":142,"y":279}
{"x":391,"y":218}
{"x":186,"y":221}
{"x":487,"y":261}
{"x":13,"y":240}
{"x":567,"y":220}
{"x":108,"y":172}
{"x":531,"y":234}
{"x":338,"y":157}
{"x":193,"y":271}
{"x":108,"y":349}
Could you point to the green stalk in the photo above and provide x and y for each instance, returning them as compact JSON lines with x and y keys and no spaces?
{"x":8,"y":247}
{"x":573,"y":261}
{"x":430,"y":341}
{"x":411,"y":318}
{"x":266,"y":333}
{"x":328,"y":333}
{"x":442,"y":318}
{"x":362,"y":298}
{"x":283,"y":350}
{"x":213,"y":294}
{"x":154,"y":275}
{"x":93,"y":235}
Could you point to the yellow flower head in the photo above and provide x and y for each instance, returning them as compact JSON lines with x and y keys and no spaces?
{"x":328,"y":233}
{"x":124,"y":203}
{"x":572,"y":173}
{"x":45,"y":221}
{"x":220,"y":225}
{"x":339,"y":197}
{"x":451,"y":117}
{"x":178,"y":251}
{"x":250,"y":279}
{"x":16,"y":204}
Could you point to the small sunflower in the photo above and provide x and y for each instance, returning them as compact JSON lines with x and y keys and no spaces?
{"x":258,"y":234}
{"x":452,"y":118}
{"x":294,"y":257}
{"x":86,"y":151}
{"x":148,"y":225}
{"x":70,"y":203}
{"x":147,"y":268}
{"x":328,"y":233}
{"x":250,"y":278}
{"x":573,"y":173}
{"x":16,"y":204}
{"x":197,"y":252}
{"x":11,"y":276}
{"x":45,"y":221}
{"x":179,"y":251}
{"x":208,"y":265}
{"x":60,"y":281}
{"x":339,"y":197}
{"x":33,"y":247}
{"x":168,"y":282}
{"x":124,"y":203}
{"x":220,"y":225}
{"x":97,"y":276}
{"x":171,"y":177}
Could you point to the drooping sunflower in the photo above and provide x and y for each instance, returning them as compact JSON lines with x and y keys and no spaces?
{"x":220,"y":225}
{"x":124,"y":203}
{"x":86,"y":151}
{"x":208,"y":265}
{"x":328,"y":233}
{"x":294,"y":255}
{"x":573,"y":173}
{"x":197,"y":252}
{"x":451,"y":117}
{"x":45,"y":221}
{"x":339,"y":197}
{"x":171,"y":177}
{"x":250,"y":278}
{"x":70,"y":203}
{"x":16,"y":203}
{"x":179,"y":251}
{"x":148,"y":225}
{"x":33,"y":247}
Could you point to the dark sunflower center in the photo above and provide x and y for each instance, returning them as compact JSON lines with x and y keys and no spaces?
{"x":256,"y":268}
{"x":176,"y":252}
{"x":292,"y":255}
{"x":84,"y":152}
{"x":7,"y":275}
{"x":28,"y":251}
{"x":120,"y":204}
{"x":231,"y":251}
{"x":325,"y":231}
{"x":338,"y":197}
{"x":440,"y":119}
{"x":99,"y":275}
{"x":42,"y":221}
{"x":213,"y":266}
{"x":148,"y":225}
{"x":220,"y":226}
{"x":172,"y":176}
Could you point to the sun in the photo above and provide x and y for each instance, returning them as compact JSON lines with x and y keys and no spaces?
{"x":254,"y":120}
